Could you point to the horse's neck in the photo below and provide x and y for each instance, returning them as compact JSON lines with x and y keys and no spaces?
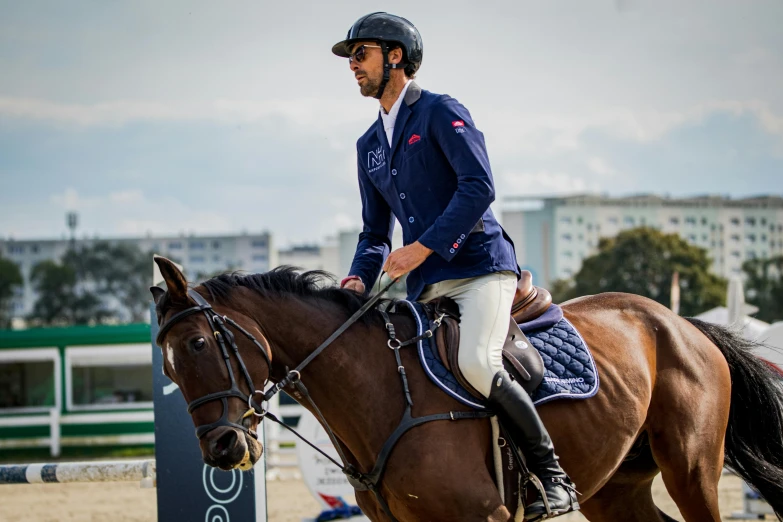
{"x":354,"y":381}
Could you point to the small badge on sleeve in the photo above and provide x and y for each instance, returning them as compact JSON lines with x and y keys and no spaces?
{"x":459,"y":126}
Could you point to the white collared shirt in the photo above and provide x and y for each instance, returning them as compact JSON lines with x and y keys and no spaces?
{"x":391,"y":117}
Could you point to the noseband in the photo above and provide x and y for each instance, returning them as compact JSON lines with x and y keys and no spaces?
{"x":219,"y":327}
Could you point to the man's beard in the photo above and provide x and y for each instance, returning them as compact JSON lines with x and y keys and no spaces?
{"x":370,"y":88}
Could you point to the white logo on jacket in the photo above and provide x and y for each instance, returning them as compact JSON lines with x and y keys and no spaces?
{"x":376,"y":159}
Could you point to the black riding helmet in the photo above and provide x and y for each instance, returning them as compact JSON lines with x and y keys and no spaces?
{"x":389,"y":31}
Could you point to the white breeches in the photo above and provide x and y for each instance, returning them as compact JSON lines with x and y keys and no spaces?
{"x":485,"y":306}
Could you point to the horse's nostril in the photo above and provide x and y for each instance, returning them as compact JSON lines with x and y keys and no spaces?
{"x":225,"y":441}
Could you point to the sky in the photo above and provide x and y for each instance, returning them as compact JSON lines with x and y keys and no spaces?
{"x":196,"y":116}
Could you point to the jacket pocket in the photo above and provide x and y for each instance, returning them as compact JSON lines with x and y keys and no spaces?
{"x":415,"y":148}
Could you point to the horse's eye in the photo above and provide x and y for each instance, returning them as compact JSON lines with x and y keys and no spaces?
{"x":198,"y":344}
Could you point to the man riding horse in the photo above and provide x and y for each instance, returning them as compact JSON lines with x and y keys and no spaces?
{"x":424,"y":162}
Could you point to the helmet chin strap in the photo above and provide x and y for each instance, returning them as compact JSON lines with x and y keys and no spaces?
{"x":386,"y":68}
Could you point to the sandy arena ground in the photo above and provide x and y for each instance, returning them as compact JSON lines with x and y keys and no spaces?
{"x":289,"y":501}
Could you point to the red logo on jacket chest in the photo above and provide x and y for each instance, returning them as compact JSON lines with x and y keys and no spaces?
{"x":414,"y":139}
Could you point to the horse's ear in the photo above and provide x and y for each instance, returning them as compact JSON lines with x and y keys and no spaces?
{"x":157,"y":293}
{"x":176,"y":283}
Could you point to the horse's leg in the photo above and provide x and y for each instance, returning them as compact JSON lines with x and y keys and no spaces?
{"x":628,"y":494}
{"x":687,"y":418}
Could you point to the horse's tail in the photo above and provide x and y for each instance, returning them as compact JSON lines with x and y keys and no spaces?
{"x":754,"y":437}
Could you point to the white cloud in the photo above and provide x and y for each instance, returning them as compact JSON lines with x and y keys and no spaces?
{"x":600,"y":167}
{"x":133,"y":213}
{"x":544,"y":182}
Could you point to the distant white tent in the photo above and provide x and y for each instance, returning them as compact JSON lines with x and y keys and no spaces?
{"x":751,"y":328}
{"x":736,"y":316}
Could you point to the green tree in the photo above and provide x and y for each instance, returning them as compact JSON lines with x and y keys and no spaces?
{"x":119,"y":273}
{"x":764,"y":287}
{"x":61,"y":299}
{"x":10,"y":280}
{"x":642,"y":261}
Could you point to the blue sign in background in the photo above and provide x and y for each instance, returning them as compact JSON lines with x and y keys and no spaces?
{"x":188,"y":489}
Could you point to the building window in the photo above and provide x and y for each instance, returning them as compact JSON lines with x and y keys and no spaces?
{"x":690,"y":220}
{"x":262,"y":258}
{"x":196,"y":259}
{"x":704,"y":237}
{"x":704,"y":222}
{"x":34,"y":249}
{"x":566,"y":237}
{"x":736,"y":253}
{"x":763,"y":222}
{"x":735,"y":238}
{"x":613,"y":220}
{"x":16,"y":249}
{"x":216,"y":258}
{"x":750,"y":221}
{"x":751,"y":238}
{"x":735,"y":221}
{"x":175,"y":245}
{"x":628,"y":220}
{"x":764,"y":238}
{"x":196,"y":245}
{"x":566,"y":220}
{"x":258,"y":243}
{"x":750,"y":254}
{"x":568,"y":254}
{"x":216,"y":245}
{"x":674,"y":220}
{"x":589,"y":226}
{"x":28,"y":385}
{"x":108,"y":377}
{"x":101,"y":385}
{"x":692,"y":238}
{"x":579,"y":220}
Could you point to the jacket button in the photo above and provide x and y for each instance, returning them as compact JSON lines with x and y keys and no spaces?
{"x":411,"y":220}
{"x":402,"y":195}
{"x":394,"y":172}
{"x":451,"y":250}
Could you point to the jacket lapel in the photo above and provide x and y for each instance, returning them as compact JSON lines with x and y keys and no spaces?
{"x":412,"y":95}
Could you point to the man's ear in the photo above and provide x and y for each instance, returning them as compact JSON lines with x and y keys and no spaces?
{"x":175,"y":280}
{"x":395,"y":55}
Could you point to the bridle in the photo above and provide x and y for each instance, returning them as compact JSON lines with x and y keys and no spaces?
{"x":369,"y":481}
{"x":218,"y":326}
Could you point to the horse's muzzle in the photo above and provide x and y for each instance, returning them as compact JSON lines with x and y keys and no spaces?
{"x":228,"y":448}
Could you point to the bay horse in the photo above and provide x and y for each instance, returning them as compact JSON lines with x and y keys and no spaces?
{"x":677,"y":396}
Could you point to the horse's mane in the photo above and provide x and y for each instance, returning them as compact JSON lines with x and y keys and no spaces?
{"x":289,"y":281}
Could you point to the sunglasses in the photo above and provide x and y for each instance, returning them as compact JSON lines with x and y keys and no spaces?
{"x":361,"y":53}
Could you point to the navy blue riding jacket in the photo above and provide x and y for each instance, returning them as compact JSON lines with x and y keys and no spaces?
{"x":436,"y":180}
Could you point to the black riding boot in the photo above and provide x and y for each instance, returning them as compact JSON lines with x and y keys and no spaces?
{"x":520,"y":418}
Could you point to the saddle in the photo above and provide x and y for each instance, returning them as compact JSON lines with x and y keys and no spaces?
{"x":520,"y":359}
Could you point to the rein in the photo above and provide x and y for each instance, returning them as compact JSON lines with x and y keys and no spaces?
{"x":360,"y":481}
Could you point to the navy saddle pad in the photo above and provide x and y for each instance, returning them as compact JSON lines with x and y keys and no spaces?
{"x":569,"y":368}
